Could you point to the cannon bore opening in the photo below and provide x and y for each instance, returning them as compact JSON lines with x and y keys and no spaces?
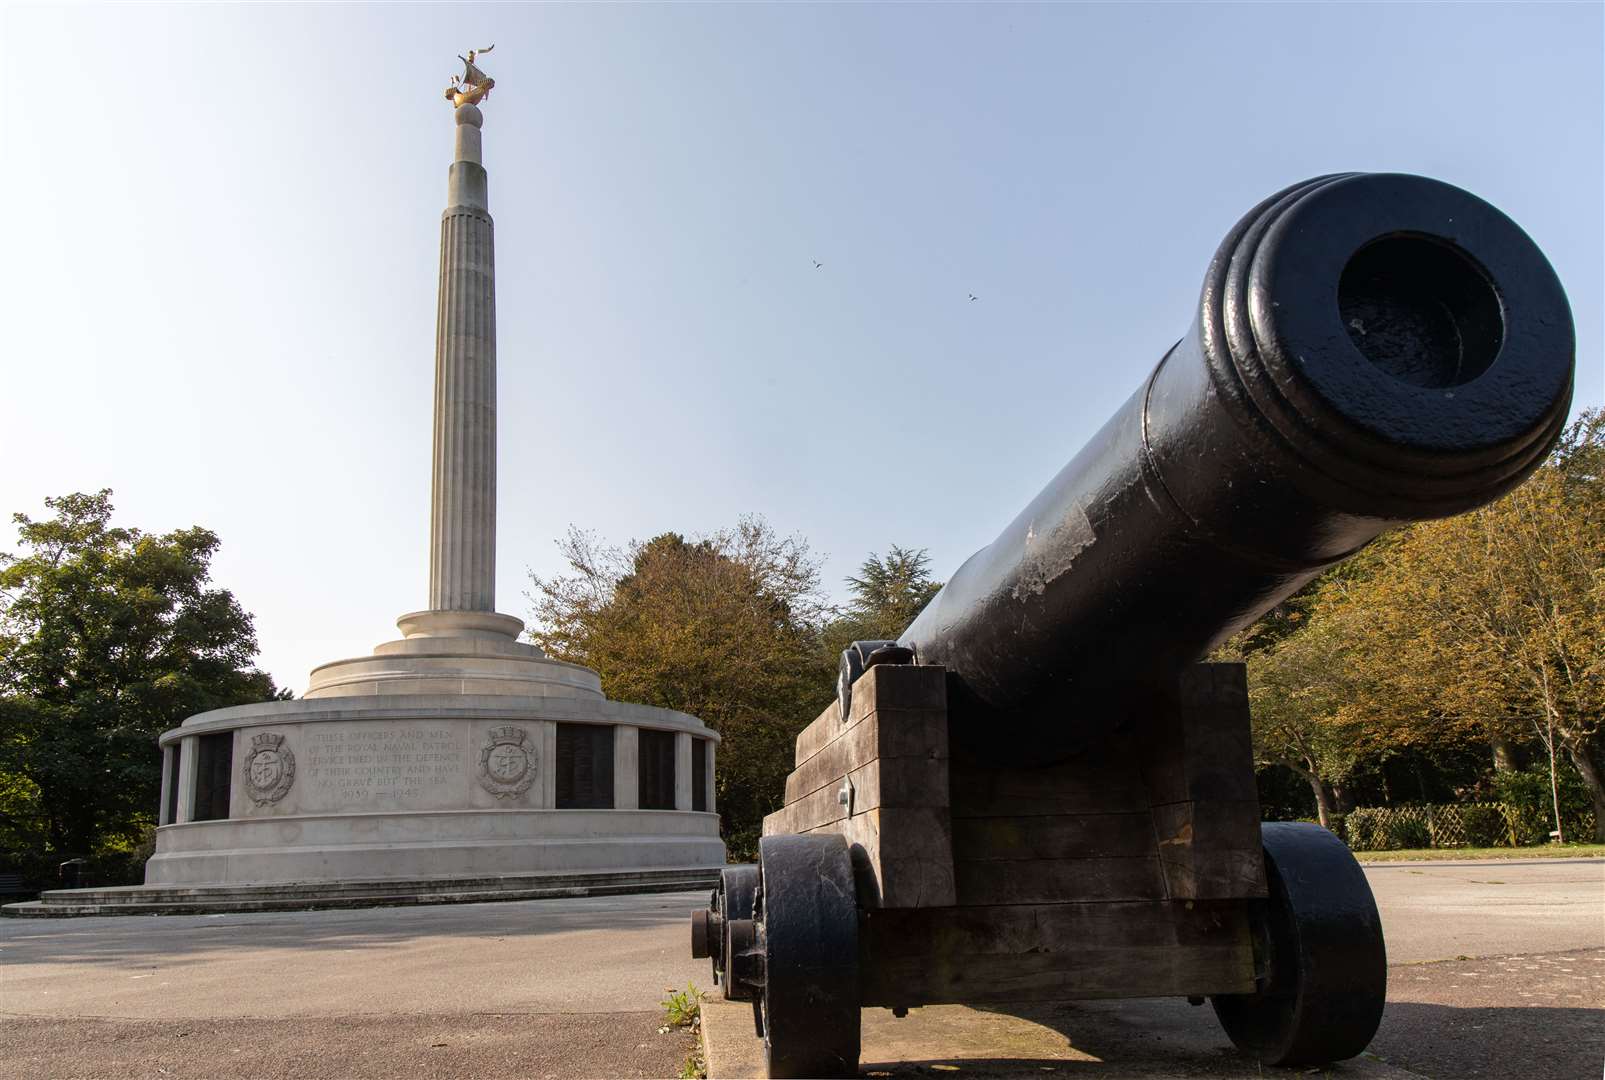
{"x":1421,"y":311}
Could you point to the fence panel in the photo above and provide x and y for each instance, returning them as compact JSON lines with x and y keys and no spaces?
{"x":1443,"y":825}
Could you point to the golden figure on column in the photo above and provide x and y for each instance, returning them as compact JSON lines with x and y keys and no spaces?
{"x":473,"y":85}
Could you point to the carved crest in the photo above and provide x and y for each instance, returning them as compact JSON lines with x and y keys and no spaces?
{"x":506,"y":766}
{"x":269,"y":769}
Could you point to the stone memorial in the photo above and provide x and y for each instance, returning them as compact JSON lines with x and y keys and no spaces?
{"x":456,"y":756}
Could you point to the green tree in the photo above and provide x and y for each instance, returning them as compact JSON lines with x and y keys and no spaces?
{"x":724,"y":627}
{"x":889,"y":591}
{"x":1298,"y":682}
{"x":108,"y":636}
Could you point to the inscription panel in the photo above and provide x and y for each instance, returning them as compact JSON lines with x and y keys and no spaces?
{"x":374,"y":766}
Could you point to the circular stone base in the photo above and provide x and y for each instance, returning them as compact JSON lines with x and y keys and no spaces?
{"x":389,"y":892}
{"x":459,"y":844}
{"x":455,"y":652}
{"x":457,"y":752}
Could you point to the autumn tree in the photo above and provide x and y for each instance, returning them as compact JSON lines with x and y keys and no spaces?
{"x":1494,"y":622}
{"x":108,"y":637}
{"x":1487,"y":627}
{"x":724,"y":627}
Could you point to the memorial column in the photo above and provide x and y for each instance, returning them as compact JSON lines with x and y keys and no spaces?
{"x":462,"y":533}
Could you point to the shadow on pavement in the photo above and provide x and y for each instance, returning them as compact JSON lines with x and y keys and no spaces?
{"x":1438,"y":1041}
{"x":1532,"y":1042}
{"x":1152,"y":1036}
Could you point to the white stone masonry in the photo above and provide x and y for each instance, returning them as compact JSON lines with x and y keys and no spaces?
{"x":462,"y":534}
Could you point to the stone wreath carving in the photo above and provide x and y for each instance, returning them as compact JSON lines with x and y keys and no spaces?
{"x":506,"y":766}
{"x":269,"y":769}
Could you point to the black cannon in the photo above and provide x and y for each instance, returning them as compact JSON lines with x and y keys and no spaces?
{"x":1039,"y":791}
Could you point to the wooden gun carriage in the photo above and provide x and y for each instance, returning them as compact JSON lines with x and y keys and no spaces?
{"x":1039,"y":792}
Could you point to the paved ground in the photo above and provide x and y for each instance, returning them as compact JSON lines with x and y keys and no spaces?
{"x":1438,"y":911}
{"x":539,"y":988}
{"x":570,"y":987}
{"x":1110,"y":1040}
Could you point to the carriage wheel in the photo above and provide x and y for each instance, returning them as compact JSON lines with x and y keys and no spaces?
{"x":710,"y":929}
{"x":1324,"y":968}
{"x":807,"y":913}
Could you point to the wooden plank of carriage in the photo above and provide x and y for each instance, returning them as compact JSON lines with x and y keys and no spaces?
{"x":881,"y":781}
{"x":1035,"y":951}
{"x":1200,"y":780}
{"x":897,"y":686}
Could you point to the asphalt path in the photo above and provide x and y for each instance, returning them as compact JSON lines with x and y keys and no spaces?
{"x":1441,"y":911}
{"x":1496,"y":969}
{"x":535,"y":988}
{"x":593,"y":955}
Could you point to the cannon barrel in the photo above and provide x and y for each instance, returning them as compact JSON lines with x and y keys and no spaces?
{"x":1369,"y":350}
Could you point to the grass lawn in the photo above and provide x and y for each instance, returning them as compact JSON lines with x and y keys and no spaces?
{"x":1542,"y":851}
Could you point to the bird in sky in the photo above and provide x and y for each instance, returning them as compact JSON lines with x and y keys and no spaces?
{"x":973,"y":297}
{"x":817,"y":264}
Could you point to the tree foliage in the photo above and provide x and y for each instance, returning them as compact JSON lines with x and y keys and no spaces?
{"x":889,"y":591}
{"x":1297,"y":686}
{"x":108,"y":636}
{"x":1488,"y":627}
{"x":724,"y":627}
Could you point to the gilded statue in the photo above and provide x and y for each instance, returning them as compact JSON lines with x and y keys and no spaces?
{"x":473,"y":85}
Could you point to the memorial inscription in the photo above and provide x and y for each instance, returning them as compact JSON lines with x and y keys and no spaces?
{"x":382,"y":762}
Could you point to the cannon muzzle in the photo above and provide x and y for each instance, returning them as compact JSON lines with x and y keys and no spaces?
{"x":1369,"y":350}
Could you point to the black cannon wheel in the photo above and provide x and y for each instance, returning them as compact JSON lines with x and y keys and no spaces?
{"x":1325,"y":968}
{"x":738,"y":887}
{"x":808,"y":913}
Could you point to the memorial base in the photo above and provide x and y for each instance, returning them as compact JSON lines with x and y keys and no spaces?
{"x":212,"y":899}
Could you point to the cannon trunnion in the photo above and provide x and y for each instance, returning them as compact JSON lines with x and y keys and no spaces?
{"x":1039,"y":792}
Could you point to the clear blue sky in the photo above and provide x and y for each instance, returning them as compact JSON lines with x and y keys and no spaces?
{"x":218,"y":291}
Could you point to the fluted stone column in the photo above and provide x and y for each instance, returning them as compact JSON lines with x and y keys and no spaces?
{"x":169,"y":778}
{"x":189,"y":749}
{"x":462,"y":533}
{"x":682,"y":770}
{"x":626,"y":767}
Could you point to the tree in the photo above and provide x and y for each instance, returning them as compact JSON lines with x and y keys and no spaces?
{"x":1298,"y":682}
{"x":1487,"y":627}
{"x":725,"y":627}
{"x":108,"y":637}
{"x":889,"y":592}
{"x":1495,"y":620}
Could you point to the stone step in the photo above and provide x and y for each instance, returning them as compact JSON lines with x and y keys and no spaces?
{"x":363,"y":887}
{"x":297,"y":896}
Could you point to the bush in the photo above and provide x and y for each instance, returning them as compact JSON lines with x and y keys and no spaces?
{"x":1485,"y":826}
{"x":1527,"y":795}
{"x":741,"y":845}
{"x":1408,"y":833}
{"x":121,"y":862}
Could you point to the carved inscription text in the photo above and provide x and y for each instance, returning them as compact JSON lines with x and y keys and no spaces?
{"x":383,"y":762}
